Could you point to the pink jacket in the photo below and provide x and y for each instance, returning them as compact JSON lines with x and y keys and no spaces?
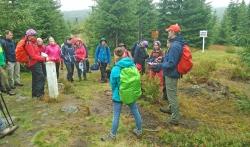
{"x":54,"y":52}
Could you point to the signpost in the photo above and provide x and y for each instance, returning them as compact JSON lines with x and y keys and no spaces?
{"x":155,"y":35}
{"x":203,"y":34}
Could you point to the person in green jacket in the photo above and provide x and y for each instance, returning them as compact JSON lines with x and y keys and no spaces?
{"x":115,"y":82}
{"x":4,"y":77}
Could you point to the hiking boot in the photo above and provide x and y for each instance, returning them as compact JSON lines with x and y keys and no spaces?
{"x":7,"y":131}
{"x":10,"y":92}
{"x":137,"y":133}
{"x":19,"y":84}
{"x":108,"y":137}
{"x":166,"y":110}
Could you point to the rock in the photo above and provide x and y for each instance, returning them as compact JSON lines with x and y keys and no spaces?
{"x":195,"y":86}
{"x":70,"y":109}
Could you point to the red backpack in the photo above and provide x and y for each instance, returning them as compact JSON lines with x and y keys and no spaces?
{"x":21,"y":53}
{"x":185,"y":64}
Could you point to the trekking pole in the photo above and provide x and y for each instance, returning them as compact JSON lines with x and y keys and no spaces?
{"x":2,"y":109}
{"x":7,"y":110}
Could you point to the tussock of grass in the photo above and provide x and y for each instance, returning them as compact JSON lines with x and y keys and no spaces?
{"x":151,"y":89}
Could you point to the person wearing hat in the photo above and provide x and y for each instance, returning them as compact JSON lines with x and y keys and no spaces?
{"x":103,"y":58}
{"x":141,"y":55}
{"x":171,"y":74}
{"x":35,"y":64}
{"x":68,"y":55}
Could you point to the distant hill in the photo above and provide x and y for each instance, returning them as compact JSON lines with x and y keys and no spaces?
{"x":77,"y":14}
{"x":82,"y":14}
{"x":220,"y":12}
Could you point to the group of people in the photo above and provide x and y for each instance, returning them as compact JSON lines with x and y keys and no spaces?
{"x":161,"y":65}
{"x":74,"y":53}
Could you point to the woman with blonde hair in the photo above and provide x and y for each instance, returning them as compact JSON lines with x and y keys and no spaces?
{"x":54,"y":53}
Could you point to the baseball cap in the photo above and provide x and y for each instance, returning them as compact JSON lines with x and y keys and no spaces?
{"x":175,"y":28}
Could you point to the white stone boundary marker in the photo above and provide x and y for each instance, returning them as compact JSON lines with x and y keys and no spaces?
{"x":203,"y":34}
{"x":52,"y":79}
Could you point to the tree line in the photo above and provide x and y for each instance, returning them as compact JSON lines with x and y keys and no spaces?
{"x":42,"y":15}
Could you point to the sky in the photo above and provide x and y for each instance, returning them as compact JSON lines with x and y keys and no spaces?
{"x":68,"y":5}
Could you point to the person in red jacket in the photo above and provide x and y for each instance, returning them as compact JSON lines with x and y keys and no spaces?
{"x":80,"y":54}
{"x":42,"y":48}
{"x":35,"y":64}
{"x":156,"y":57}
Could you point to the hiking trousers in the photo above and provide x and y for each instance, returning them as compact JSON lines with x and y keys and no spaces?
{"x":171,"y":88}
{"x":14,"y":73}
{"x":81,"y":71}
{"x":117,"y":107}
{"x":70,"y":70}
{"x":4,"y":79}
{"x":103,"y":67}
{"x":38,"y":80}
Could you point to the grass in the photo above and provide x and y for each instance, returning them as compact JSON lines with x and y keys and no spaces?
{"x":208,"y":122}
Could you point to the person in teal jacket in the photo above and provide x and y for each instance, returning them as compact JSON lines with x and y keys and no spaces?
{"x":117,"y":104}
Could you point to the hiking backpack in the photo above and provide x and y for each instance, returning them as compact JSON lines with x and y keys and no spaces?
{"x":21,"y":53}
{"x":130,"y":85}
{"x":185,"y":63}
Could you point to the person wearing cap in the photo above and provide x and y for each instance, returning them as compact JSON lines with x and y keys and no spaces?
{"x":12,"y":65}
{"x":35,"y":64}
{"x":103,"y":58}
{"x":54,"y":52}
{"x":141,"y":55}
{"x":68,"y":55}
{"x":171,"y":74}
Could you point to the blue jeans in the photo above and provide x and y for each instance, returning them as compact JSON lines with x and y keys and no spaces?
{"x":117,"y":107}
{"x":2,"y":124}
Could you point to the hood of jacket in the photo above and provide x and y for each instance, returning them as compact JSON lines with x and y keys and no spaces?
{"x":125,"y":62}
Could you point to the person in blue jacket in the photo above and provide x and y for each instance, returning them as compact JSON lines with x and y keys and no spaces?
{"x":171,"y":74}
{"x":103,"y":58}
{"x":68,"y":55}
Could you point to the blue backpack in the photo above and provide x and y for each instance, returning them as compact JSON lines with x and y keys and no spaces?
{"x":94,"y":66}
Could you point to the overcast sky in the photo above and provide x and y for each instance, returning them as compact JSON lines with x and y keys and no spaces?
{"x":68,"y":5}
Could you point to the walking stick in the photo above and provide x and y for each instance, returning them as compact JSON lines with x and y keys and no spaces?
{"x":6,"y":110}
{"x":2,"y":109}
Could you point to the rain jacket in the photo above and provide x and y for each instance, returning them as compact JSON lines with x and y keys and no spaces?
{"x":54,"y":52}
